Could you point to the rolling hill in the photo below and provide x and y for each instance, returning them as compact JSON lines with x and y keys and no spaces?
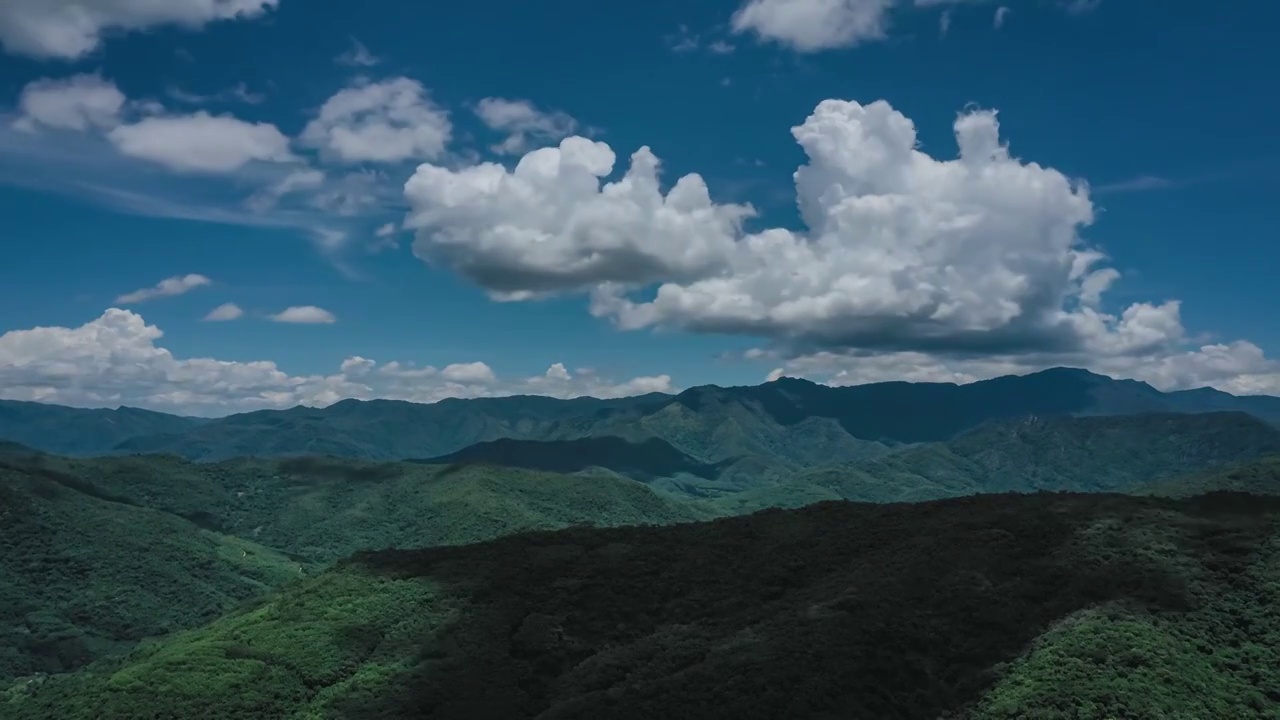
{"x":987,"y":607}
{"x":98,"y":554}
{"x":1068,"y":454}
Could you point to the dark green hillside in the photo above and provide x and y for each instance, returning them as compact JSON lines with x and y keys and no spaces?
{"x":999,"y":606}
{"x":1258,"y":477}
{"x":78,"y":431}
{"x":83,"y":574}
{"x":643,"y":461}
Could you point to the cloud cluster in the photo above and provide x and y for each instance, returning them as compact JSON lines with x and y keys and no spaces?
{"x":903,"y":250}
{"x":69,"y":29}
{"x":548,"y":225}
{"x":116,"y":360}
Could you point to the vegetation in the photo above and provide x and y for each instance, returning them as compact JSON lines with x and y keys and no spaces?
{"x":83,"y":575}
{"x":95,"y":555}
{"x":562,"y":559}
{"x":997,"y":606}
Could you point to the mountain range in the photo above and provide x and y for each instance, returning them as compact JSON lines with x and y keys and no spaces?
{"x":796,"y":422}
{"x":892,"y":550}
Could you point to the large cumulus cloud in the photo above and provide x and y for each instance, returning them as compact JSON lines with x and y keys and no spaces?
{"x":903,"y":251}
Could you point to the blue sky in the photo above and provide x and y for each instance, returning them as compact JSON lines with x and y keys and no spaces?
{"x":261,"y":151}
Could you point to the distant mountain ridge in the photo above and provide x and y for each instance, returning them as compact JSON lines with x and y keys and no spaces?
{"x":786,"y":424}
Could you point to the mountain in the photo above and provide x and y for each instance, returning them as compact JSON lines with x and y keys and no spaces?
{"x":79,"y":431}
{"x":779,"y":427}
{"x":987,"y":607}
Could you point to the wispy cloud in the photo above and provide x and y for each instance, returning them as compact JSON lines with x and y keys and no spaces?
{"x":357,"y":56}
{"x":169,"y":287}
{"x":240,"y":93}
{"x":1140,"y":183}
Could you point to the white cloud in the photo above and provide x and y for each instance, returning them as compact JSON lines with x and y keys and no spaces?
{"x":116,"y":360}
{"x":902,"y":249}
{"x":201,"y":143}
{"x":386,"y":230}
{"x":472,"y":372}
{"x":224,"y":312}
{"x":79,"y":102}
{"x":169,"y":287}
{"x":525,"y":125}
{"x":69,"y":29}
{"x":1002,"y":13}
{"x":549,"y":226}
{"x":357,"y":56}
{"x":389,"y":121}
{"x":305,"y":315}
{"x":812,"y":25}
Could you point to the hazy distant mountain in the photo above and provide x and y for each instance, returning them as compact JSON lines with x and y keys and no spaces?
{"x":787,"y":424}
{"x":80,"y":431}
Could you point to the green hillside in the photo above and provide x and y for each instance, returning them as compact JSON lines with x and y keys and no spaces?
{"x":1085,"y":454}
{"x":998,"y":606}
{"x":97,"y":554}
{"x":83,"y":575}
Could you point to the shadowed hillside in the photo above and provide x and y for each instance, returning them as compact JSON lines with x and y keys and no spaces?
{"x":644,"y":461}
{"x":1005,"y":606}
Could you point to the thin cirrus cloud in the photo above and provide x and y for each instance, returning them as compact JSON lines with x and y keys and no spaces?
{"x":169,"y":287}
{"x":304,"y":315}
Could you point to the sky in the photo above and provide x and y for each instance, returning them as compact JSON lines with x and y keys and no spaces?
{"x":212,"y":206}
